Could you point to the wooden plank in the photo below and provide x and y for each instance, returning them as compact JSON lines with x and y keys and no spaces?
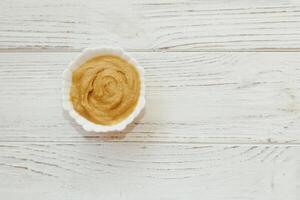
{"x":191,"y":98}
{"x":149,"y":171}
{"x":142,"y":25}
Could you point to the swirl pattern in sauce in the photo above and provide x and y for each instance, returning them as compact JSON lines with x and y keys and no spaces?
{"x":105,"y":89}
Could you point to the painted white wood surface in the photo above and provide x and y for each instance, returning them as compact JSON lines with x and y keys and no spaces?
{"x":191,"y":97}
{"x":148,"y":171}
{"x":170,"y":25}
{"x":219,"y":123}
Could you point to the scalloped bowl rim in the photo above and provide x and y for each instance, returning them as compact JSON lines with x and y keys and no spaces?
{"x":84,"y":56}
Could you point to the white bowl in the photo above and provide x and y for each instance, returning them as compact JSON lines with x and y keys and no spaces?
{"x":86,"y":55}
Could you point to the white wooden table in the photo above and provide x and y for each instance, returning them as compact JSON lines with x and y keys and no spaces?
{"x":222,"y":119}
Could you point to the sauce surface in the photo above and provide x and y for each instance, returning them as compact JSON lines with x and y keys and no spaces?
{"x":105,"y":89}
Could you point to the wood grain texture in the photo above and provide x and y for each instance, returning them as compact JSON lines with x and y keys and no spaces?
{"x":191,"y":98}
{"x":142,"y":25}
{"x":222,"y":114}
{"x":149,"y":171}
